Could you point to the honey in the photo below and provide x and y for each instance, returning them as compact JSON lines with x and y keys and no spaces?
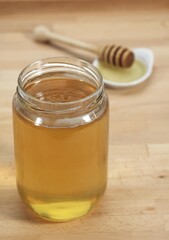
{"x":116,"y":74}
{"x":61,"y":171}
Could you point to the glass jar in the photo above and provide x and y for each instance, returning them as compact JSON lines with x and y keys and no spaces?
{"x":60,"y":120}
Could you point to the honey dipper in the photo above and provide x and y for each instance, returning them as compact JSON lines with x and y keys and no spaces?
{"x":112,"y":54}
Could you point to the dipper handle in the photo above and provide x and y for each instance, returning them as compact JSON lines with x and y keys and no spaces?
{"x":113,"y":55}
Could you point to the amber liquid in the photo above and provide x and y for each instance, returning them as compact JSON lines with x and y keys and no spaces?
{"x":61,"y":172}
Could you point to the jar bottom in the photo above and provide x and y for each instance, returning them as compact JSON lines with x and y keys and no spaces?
{"x":61,"y":211}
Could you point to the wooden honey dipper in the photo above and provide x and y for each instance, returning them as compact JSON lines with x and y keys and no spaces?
{"x":112,"y":54}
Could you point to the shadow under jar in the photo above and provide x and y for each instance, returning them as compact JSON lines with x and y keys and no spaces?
{"x":60,"y":119}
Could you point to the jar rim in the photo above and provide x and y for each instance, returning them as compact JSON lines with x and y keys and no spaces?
{"x":65,"y":61}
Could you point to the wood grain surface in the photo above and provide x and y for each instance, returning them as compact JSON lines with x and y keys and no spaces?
{"x":136,"y":203}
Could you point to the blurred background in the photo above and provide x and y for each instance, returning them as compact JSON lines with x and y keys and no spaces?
{"x":130,"y":23}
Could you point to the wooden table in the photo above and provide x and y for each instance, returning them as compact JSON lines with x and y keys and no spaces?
{"x":136,"y":203}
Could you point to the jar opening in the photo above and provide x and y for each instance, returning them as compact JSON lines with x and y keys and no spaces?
{"x":66,"y":79}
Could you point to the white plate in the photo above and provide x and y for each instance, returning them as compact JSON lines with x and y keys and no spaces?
{"x":145,"y":56}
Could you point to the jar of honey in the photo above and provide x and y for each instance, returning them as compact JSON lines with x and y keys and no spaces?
{"x":60,"y":119}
